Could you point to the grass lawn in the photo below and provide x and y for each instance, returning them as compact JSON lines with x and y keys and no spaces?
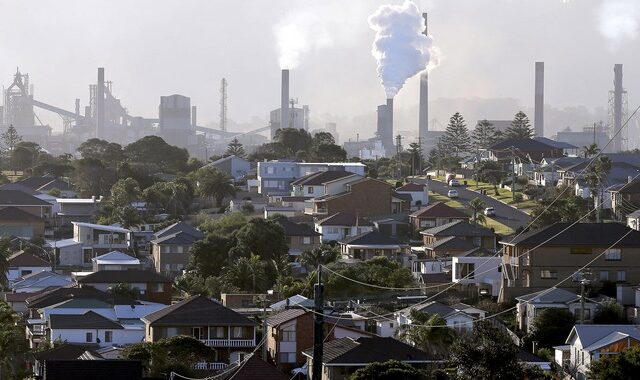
{"x":504,"y":195}
{"x":491,"y":223}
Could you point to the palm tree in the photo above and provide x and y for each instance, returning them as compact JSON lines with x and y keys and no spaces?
{"x":591,"y":150}
{"x":215,"y":183}
{"x":596,"y":173}
{"x":323,"y":255}
{"x":5,"y":252}
{"x":427,"y":332}
{"x":476,"y":205}
{"x":245,"y":273}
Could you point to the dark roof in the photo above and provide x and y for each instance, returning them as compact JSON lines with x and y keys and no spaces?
{"x":19,"y":187}
{"x":14,"y":214}
{"x":123,"y":276}
{"x":19,"y":198}
{"x":197,"y":311}
{"x":255,"y":368}
{"x":56,"y":295}
{"x":64,"y":351}
{"x":38,"y":182}
{"x":285,"y":316}
{"x":458,"y":228}
{"x":182,"y":238}
{"x":435,"y":278}
{"x":411,"y":187}
{"x":319,"y":178}
{"x":368,"y":350}
{"x":527,"y":357}
{"x":92,"y":369}
{"x":177,"y":228}
{"x":439,"y":210}
{"x":371,"y":238}
{"x":581,"y":234}
{"x":451,"y":242}
{"x":528,"y":145}
{"x":554,"y":143}
{"x":630,"y":188}
{"x":18,"y":297}
{"x":26,"y":259}
{"x":296,"y":229}
{"x":404,"y":197}
{"x":343,"y":219}
{"x":435,"y":307}
{"x":88,"y":320}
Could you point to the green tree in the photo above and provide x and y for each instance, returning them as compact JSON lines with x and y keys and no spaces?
{"x":153,"y":149}
{"x":269,"y":151}
{"x":24,"y":155}
{"x":235,"y":148}
{"x":10,"y":138}
{"x":389,"y":370}
{"x":109,"y":153}
{"x":173,"y":197}
{"x":260,"y":237}
{"x":416,"y":157}
{"x":13,"y":345}
{"x":323,"y":255}
{"x":210,"y":255}
{"x":552,"y":326}
{"x":227,"y":225}
{"x":92,"y":177}
{"x":124,"y":191}
{"x":380,"y":271}
{"x":610,"y":313}
{"x":429,"y":332}
{"x":5,"y":253}
{"x":520,"y":128}
{"x":216,"y":184}
{"x":489,"y":354}
{"x":484,"y":135}
{"x":179,"y":353}
{"x":476,"y":206}
{"x":595,"y":176}
{"x":125,"y":291}
{"x":590,"y":150}
{"x":491,"y":172}
{"x":623,"y":366}
{"x":293,"y":140}
{"x":456,"y":138}
{"x":246,"y":273}
{"x":558,"y":205}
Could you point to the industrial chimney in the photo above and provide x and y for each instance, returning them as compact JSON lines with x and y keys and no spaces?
{"x":284,"y":100}
{"x":100,"y":104}
{"x":538,"y":121}
{"x":194,"y":115}
{"x":617,"y":108}
{"x":423,"y":107}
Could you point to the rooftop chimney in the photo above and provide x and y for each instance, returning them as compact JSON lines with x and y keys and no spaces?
{"x":538,"y":121}
{"x":617,"y":108}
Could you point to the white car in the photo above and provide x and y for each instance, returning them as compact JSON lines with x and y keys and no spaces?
{"x":490,"y":211}
{"x":452,"y":193}
{"x":454,"y":183}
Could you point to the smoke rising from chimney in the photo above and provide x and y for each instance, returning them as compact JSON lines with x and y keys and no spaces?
{"x":400,"y":48}
{"x":619,"y":20}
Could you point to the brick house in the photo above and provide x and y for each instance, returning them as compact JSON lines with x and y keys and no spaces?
{"x":365,"y":197}
{"x":479,"y":236}
{"x":434,"y":215}
{"x":300,"y":237}
{"x":559,"y":254}
{"x":152,"y":286}
{"x":342,"y":225}
{"x":624,"y":198}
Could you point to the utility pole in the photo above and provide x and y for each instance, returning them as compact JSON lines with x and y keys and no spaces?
{"x":583,"y":281}
{"x":318,"y":331}
{"x":398,"y":158}
{"x":513,"y":174}
{"x":264,"y":329}
{"x":420,"y":152}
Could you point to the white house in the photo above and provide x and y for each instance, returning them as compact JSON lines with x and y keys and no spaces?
{"x":419,"y":194}
{"x":587,"y":343}
{"x":456,"y":319}
{"x":633,"y":220}
{"x":92,"y":327}
{"x":342,"y":225}
{"x":89,"y":240}
{"x":115,"y":260}
{"x":236,"y":167}
{"x":479,"y":269}
{"x":23,"y":263}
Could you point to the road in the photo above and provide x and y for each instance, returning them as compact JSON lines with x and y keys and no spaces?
{"x":505,"y":214}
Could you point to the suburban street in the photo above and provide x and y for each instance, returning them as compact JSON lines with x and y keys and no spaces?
{"x":505,"y":214}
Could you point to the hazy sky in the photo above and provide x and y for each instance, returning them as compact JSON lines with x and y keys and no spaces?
{"x":160,"y":47}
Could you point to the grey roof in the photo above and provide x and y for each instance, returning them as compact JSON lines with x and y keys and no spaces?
{"x":368,"y":350}
{"x":320,"y":178}
{"x":344,"y":219}
{"x":439,"y":210}
{"x":459,"y":228}
{"x":554,"y":143}
{"x":182,"y":238}
{"x":435,"y":278}
{"x":19,"y":187}
{"x":581,"y":234}
{"x":177,"y":228}
{"x":285,"y":316}
{"x":18,"y":198}
{"x":435,"y":307}
{"x":123,"y":276}
{"x":555,"y":295}
{"x":296,"y":229}
{"x":411,"y":187}
{"x":527,"y":145}
{"x":45,"y":182}
{"x":26,"y":259}
{"x":451,"y":242}
{"x":197,"y":311}
{"x":371,"y":238}
{"x":15,"y":214}
{"x":88,"y":320}
{"x":593,"y":335}
{"x":635,"y":214}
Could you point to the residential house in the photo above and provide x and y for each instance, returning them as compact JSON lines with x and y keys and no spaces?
{"x":372,"y":244}
{"x":21,"y":264}
{"x":61,"y":352}
{"x":315,"y":184}
{"x":152,"y":286}
{"x":68,"y":210}
{"x":342,"y":225}
{"x":17,"y":222}
{"x":396,"y":226}
{"x":234,"y":166}
{"x":625,"y":199}
{"x":364,"y":197}
{"x":478,"y":270}
{"x":523,"y":150}
{"x":300,"y":237}
{"x":56,"y":295}
{"x":39,"y":281}
{"x":115,"y":260}
{"x":170,"y":248}
{"x":342,"y":357}
{"x":633,"y":220}
{"x":18,"y":301}
{"x":253,"y":368}
{"x":531,"y":305}
{"x":454,"y":318}
{"x":291,"y":330}
{"x":231,"y":334}
{"x":275,"y":177}
{"x":574,"y":176}
{"x":548,"y":174}
{"x":419,"y":193}
{"x":90,"y":327}
{"x":44,"y":184}
{"x":567,"y":149}
{"x":475,"y":234}
{"x":561,"y":249}
{"x":434,"y":215}
{"x":89,"y":240}
{"x":588,"y":343}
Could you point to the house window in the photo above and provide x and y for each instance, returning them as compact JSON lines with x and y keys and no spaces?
{"x":613,"y":254}
{"x":108,"y":336}
{"x":622,"y":275}
{"x":604,"y":275}
{"x":87,"y":255}
{"x":288,"y":336}
{"x":548,"y":274}
{"x":310,"y":190}
{"x":306,"y":240}
{"x":179,"y":249}
{"x":89,"y":337}
{"x":287,"y":357}
{"x":197,"y":332}
{"x":391,"y":325}
{"x":270,"y":170}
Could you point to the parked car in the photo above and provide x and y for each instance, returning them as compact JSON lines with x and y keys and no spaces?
{"x":454,"y":183}
{"x":452,"y":193}
{"x":490,"y":211}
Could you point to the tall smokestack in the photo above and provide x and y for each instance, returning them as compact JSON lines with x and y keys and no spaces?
{"x":77,"y":107}
{"x":388,"y":138}
{"x":284,"y":100}
{"x":423,"y":107}
{"x":617,"y":107}
{"x":100,"y":104}
{"x":538,"y":122}
{"x":194,"y":115}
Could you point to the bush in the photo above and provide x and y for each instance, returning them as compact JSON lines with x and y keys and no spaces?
{"x":247,"y":208}
{"x":518,"y":197}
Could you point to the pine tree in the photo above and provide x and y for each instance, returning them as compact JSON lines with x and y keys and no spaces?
{"x":520,"y":127}
{"x":235,"y":148}
{"x":484,"y":135}
{"x":456,"y":138}
{"x":10,"y":138}
{"x":415,"y":152}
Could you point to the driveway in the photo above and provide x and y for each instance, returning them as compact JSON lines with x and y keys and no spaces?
{"x":505,"y":214}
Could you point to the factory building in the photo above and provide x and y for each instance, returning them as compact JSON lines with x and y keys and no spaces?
{"x":176,"y":127}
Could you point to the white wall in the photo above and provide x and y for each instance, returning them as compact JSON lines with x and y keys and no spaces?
{"x":120,"y":336}
{"x":486,"y":271}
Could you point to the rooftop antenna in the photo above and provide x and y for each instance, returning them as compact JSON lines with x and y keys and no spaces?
{"x":223,"y":104}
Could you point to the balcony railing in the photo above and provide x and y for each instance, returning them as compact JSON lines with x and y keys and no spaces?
{"x":514,"y":260}
{"x":210,"y":366}
{"x":36,"y":330}
{"x":229,"y":342}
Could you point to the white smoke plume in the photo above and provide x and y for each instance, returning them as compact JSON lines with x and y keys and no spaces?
{"x":400,"y":48}
{"x":619,"y":20}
